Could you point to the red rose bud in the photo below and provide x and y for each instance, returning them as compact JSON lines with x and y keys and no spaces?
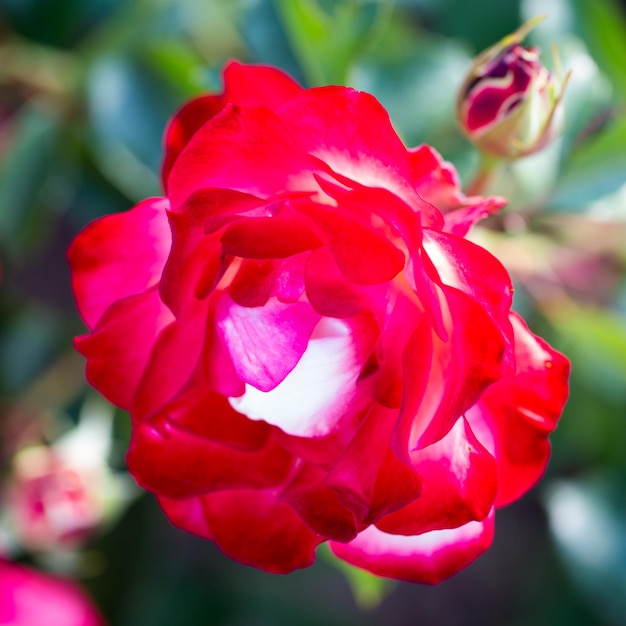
{"x":509,"y":103}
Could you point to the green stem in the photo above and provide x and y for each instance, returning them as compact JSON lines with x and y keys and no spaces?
{"x":483,"y":177}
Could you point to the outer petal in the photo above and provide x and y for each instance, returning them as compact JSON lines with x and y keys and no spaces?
{"x":437,"y":182}
{"x":245,"y":149}
{"x":459,"y":485}
{"x":118,"y":256}
{"x":320,"y":392}
{"x":258,"y":84}
{"x":243,"y":84}
{"x":174,"y":462}
{"x":256,"y":528}
{"x":118,"y":349}
{"x":518,"y":414}
{"x":319,"y":505}
{"x":351,"y":132}
{"x":427,"y":558}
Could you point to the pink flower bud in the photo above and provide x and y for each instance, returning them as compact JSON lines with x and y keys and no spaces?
{"x":509,"y":104}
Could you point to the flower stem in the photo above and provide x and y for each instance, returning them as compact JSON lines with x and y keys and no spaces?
{"x":486,"y":169}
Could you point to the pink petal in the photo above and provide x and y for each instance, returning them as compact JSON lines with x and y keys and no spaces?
{"x":461,"y":220}
{"x":427,"y":558}
{"x":118,"y":256}
{"x":265,"y":343}
{"x":459,"y":485}
{"x":246,"y":149}
{"x":31,"y":598}
{"x":118,"y":349}
{"x":174,"y":462}
{"x":257,"y":529}
{"x":519,"y":413}
{"x":321,"y":389}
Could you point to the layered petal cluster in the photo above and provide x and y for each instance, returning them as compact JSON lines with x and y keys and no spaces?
{"x":309,"y":348}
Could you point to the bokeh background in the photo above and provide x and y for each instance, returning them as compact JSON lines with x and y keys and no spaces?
{"x":86,"y":88}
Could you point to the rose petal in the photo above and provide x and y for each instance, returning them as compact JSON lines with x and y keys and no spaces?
{"x":351,"y":132}
{"x":118,"y":256}
{"x":318,"y":505}
{"x":321,"y":389}
{"x":255,"y":528}
{"x":268,"y":161}
{"x":518,"y":414}
{"x":427,"y":558}
{"x":118,"y":349}
{"x":174,"y":462}
{"x":459,"y":485}
{"x":368,"y":477}
{"x":265,"y":343}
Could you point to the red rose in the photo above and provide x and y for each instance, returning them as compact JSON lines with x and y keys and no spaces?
{"x":29,"y":597}
{"x":309,"y":348}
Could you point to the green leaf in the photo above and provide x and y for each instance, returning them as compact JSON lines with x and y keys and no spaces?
{"x":603,"y":26}
{"x":595,"y":168}
{"x":368,"y":590}
{"x":326,"y":43}
{"x":24,"y":172}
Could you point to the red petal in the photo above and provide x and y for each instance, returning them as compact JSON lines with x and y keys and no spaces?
{"x":174,"y":462}
{"x":268,"y":237}
{"x":319,"y":506}
{"x":255,"y":528}
{"x":258,"y":84}
{"x":187,"y":514}
{"x":368,"y":477}
{"x":192,"y":116}
{"x":118,"y":349}
{"x":457,"y":370}
{"x":118,"y":256}
{"x":364,"y":254}
{"x":246,"y":149}
{"x":459,"y":485}
{"x":196,"y":260}
{"x":351,"y":132}
{"x":427,"y":558}
{"x":520,"y":413}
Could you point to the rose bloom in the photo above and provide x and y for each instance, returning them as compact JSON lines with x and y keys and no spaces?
{"x":309,"y":348}
{"x":31,"y":598}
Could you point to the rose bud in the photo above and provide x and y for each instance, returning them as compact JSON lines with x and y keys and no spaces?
{"x":309,"y":348}
{"x":29,"y":597}
{"x":509,"y":105}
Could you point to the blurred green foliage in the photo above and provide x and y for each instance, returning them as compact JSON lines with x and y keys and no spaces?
{"x":86,"y":88}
